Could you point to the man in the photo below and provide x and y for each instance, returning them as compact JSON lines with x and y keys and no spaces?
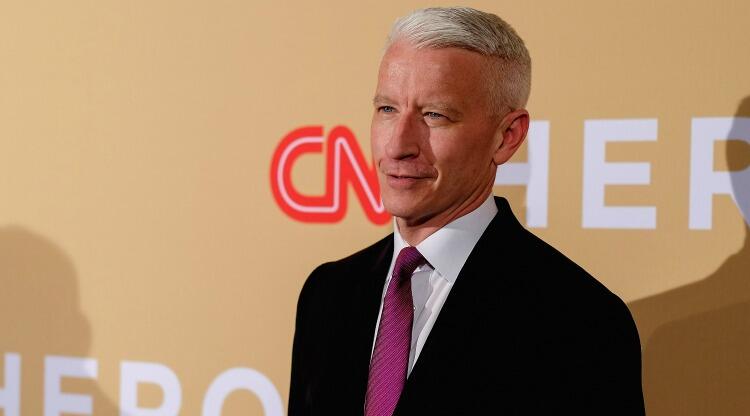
{"x":460,"y":310}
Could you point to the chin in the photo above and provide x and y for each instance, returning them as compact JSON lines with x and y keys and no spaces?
{"x":401,"y":209}
{"x":407,"y":209}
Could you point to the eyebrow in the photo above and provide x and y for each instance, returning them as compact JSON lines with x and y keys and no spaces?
{"x":381,"y":99}
{"x":441,"y":106}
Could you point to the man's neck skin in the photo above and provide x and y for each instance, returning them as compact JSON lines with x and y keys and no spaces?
{"x":415,"y":231}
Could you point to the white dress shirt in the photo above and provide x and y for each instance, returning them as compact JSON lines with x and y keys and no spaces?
{"x":446,"y":251}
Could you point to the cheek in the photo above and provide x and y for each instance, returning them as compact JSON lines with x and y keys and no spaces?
{"x":448,"y":156}
{"x":459,"y":165}
{"x":378,"y":139}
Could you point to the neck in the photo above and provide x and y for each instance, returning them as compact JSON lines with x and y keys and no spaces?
{"x":415,"y":231}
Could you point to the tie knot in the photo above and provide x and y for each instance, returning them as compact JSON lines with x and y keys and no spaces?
{"x":409,"y":258}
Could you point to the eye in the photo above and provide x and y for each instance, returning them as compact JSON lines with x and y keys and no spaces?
{"x":386,"y":109}
{"x":434,"y":119}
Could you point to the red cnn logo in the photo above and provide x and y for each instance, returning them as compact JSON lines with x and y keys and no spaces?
{"x":344,"y":165}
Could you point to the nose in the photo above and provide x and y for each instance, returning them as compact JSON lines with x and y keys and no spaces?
{"x":407,"y":134}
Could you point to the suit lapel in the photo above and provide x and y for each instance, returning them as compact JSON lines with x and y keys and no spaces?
{"x":449,"y":329}
{"x":366,"y":306}
{"x":457,"y":315}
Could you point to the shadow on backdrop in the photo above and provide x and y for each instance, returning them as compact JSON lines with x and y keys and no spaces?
{"x":40,"y":315}
{"x":696,"y":338}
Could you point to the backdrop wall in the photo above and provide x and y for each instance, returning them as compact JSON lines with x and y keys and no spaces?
{"x":161,"y":210}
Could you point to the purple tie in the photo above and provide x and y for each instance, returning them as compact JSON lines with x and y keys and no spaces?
{"x":390,"y":357}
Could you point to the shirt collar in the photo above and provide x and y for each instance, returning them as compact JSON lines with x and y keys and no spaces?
{"x":448,"y":248}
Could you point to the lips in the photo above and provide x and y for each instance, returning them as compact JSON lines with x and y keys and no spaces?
{"x":407,"y":171}
{"x":405,"y":176}
{"x":405,"y":182}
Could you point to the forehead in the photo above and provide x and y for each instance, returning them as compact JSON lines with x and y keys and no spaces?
{"x":429,"y":71}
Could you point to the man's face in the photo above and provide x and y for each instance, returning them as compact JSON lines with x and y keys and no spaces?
{"x":433,"y":131}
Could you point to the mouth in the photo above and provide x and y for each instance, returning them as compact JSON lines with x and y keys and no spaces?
{"x":400,"y":175}
{"x":405,"y":177}
{"x":403,"y":182}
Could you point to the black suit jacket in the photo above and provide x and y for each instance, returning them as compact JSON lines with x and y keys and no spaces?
{"x":524,"y":330}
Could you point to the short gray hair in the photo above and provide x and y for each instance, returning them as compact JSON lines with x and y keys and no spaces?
{"x":477,"y":31}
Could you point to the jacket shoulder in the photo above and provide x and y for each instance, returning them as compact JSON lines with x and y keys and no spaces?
{"x":545,"y":276}
{"x":540,"y":274}
{"x":552,"y":269}
{"x":339,"y":272}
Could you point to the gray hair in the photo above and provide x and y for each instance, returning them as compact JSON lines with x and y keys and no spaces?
{"x":477,"y":31}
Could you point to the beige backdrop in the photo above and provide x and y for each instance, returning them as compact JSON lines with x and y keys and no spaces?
{"x":138,"y":222}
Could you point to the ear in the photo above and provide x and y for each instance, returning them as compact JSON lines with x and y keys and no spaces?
{"x":512,"y":129}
